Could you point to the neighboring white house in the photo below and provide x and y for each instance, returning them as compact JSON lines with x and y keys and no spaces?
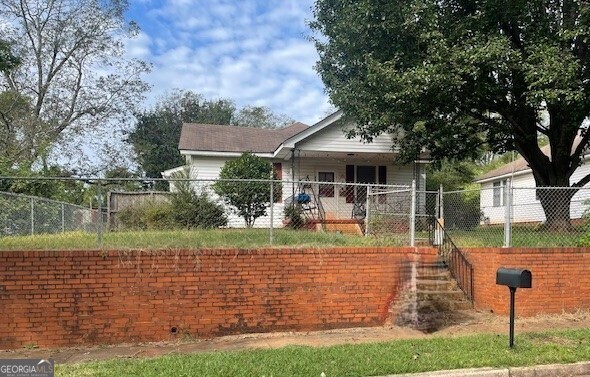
{"x":525,"y":205}
{"x":320,"y":153}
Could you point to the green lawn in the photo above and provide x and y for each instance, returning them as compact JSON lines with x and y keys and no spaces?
{"x":522,"y":236}
{"x":216,"y":238}
{"x":404,"y":356}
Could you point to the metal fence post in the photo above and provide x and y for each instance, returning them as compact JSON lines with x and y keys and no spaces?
{"x":63,"y":218}
{"x":99,"y":186}
{"x":367,"y":212}
{"x":508,"y":213}
{"x":441,"y":203}
{"x":272,"y":210}
{"x":413,"y":215}
{"x":32,"y":216}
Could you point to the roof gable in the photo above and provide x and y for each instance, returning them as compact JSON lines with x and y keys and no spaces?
{"x":220,"y":138}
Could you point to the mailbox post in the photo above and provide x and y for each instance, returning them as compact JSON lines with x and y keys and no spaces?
{"x":513,"y":278}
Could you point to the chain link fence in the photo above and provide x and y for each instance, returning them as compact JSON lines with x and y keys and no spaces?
{"x":265,"y":212}
{"x":249,"y":212}
{"x":517,"y":216}
{"x":28,"y":215}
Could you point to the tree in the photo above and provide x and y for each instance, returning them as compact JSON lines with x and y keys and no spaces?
{"x":19,"y":129}
{"x":72,"y":66}
{"x":259,"y":116}
{"x":8,"y":61}
{"x":452,"y":75}
{"x":238,"y":185}
{"x":156,"y":134}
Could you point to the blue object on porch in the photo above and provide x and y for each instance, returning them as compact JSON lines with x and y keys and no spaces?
{"x":303,"y":198}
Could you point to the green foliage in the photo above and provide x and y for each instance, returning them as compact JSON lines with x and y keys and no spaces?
{"x":148,"y":216}
{"x":25,"y":182}
{"x":157,"y":132}
{"x":8,"y":61}
{"x":259,"y":116}
{"x":451,"y":175}
{"x":17,"y":123}
{"x":194,"y":209}
{"x":186,"y":209}
{"x":452,"y":77}
{"x":293,"y":217}
{"x":248,"y":197}
{"x":463,"y":211}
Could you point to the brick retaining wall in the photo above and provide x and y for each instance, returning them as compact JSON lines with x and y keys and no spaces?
{"x":561,"y":279}
{"x":65,"y":298}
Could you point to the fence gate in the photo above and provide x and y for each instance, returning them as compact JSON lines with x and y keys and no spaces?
{"x":388,"y":212}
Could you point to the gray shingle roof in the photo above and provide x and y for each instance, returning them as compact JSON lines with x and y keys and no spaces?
{"x":218,"y":138}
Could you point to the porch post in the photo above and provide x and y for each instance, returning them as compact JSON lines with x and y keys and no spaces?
{"x":413,"y":214}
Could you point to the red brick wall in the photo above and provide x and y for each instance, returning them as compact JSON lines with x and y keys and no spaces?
{"x":561,"y":279}
{"x":64,"y":298}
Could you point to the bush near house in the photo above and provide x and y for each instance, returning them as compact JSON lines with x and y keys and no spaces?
{"x":251,"y":198}
{"x":187,"y":209}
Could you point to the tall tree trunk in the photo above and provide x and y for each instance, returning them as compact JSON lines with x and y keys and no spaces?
{"x":556,"y":205}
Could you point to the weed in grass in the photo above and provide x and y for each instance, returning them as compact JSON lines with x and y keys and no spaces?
{"x":30,"y":346}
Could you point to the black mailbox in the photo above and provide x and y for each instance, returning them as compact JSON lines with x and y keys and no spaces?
{"x":514,"y":277}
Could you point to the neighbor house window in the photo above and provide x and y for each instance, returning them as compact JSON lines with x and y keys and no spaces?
{"x":326,"y":190}
{"x":498,"y":189}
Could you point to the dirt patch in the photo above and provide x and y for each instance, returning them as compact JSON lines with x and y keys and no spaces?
{"x":467,"y":323}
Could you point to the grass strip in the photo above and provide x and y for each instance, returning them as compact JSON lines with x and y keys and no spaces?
{"x":212,"y":238}
{"x":403,"y":356}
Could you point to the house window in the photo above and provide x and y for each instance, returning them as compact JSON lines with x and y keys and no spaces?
{"x":498,"y":190}
{"x":326,"y":190}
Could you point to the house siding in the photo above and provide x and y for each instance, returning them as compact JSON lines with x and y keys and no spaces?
{"x":526,"y":207}
{"x":332,"y":139}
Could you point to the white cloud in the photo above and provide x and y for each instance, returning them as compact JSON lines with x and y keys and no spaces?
{"x":251,"y":51}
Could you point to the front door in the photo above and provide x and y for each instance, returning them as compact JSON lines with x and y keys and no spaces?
{"x":364,"y":174}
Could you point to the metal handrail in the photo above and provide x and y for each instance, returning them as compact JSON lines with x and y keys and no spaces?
{"x":459,"y":265}
{"x":319,"y":206}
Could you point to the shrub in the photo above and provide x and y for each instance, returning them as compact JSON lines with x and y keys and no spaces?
{"x":197,"y":210}
{"x":151,"y":215}
{"x":251,"y":195}
{"x":293,"y":217}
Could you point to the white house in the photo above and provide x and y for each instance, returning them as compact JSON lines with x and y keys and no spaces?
{"x":526,"y":208}
{"x":320,"y":153}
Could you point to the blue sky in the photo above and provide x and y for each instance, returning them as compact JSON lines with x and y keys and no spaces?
{"x":255,"y":52}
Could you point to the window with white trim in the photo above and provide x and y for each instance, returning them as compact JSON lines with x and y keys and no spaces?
{"x":498,"y":192}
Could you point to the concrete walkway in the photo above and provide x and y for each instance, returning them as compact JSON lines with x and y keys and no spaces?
{"x":553,"y":370}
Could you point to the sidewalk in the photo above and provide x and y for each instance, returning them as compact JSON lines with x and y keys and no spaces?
{"x":553,"y":370}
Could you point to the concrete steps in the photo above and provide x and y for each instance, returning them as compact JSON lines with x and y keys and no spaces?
{"x":430,"y":299}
